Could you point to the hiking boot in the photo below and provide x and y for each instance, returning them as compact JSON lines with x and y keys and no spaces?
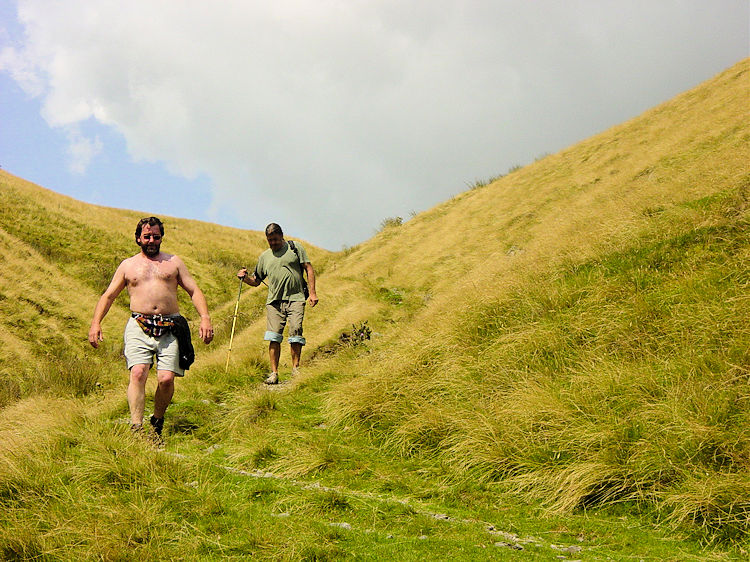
{"x":157,"y":424}
{"x":295,"y":371}
{"x":273,"y":378}
{"x":155,"y":439}
{"x":136,"y":428}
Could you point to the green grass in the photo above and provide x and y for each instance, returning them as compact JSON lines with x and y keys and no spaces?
{"x":557,"y":361}
{"x":619,"y":379}
{"x":333,"y":495}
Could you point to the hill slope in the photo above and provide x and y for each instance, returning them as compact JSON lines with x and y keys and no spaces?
{"x":575,"y":332}
{"x":589,"y":336}
{"x":59,"y":255}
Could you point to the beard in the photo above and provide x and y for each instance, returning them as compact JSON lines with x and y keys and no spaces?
{"x":151,"y":250}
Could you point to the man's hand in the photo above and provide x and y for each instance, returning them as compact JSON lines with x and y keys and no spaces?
{"x":206,"y":331}
{"x":313,"y":297}
{"x":95,"y":335}
{"x":248,"y":279}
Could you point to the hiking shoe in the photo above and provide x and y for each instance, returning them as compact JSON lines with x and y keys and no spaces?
{"x":295,"y":371}
{"x":136,"y":428}
{"x":155,"y":439}
{"x":157,"y":424}
{"x":273,"y":378}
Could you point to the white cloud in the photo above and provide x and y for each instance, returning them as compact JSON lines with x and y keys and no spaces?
{"x":22,"y":70}
{"x":81,"y":150}
{"x":328,"y":116}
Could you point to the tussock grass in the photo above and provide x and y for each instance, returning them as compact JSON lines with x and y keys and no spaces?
{"x":310,"y":461}
{"x":247,"y":408}
{"x":562,"y":353}
{"x":717,"y":503}
{"x":598,"y":374}
{"x":619,"y":379}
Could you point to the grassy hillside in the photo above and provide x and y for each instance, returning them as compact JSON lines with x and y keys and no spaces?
{"x":59,"y":255}
{"x":589,"y":339}
{"x":559,"y":363}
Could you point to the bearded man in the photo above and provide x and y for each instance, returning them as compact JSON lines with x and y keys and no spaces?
{"x":155,"y":327}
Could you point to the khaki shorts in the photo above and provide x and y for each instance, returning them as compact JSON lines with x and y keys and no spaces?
{"x":277,"y":314}
{"x":140,"y":349}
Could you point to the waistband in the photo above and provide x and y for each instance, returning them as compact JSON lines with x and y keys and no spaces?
{"x":154,"y":316}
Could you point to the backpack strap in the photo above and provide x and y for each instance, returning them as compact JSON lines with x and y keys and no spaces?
{"x":301,"y":266}
{"x":294,"y":249}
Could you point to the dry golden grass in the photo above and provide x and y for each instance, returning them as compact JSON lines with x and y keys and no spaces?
{"x":574,"y":329}
{"x":33,"y":423}
{"x":59,"y":255}
{"x":570,"y":204}
{"x":564,"y":398}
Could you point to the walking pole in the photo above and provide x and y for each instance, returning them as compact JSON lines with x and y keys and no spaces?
{"x":234,"y":321}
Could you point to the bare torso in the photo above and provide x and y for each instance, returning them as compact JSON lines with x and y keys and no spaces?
{"x":152,"y":283}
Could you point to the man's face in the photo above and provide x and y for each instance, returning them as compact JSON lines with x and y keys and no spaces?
{"x":150,"y":240}
{"x":275,"y":241}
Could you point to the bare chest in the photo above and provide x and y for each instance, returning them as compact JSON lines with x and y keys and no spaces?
{"x":151,"y":273}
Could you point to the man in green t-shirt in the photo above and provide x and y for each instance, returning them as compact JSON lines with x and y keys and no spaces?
{"x":282,"y":265}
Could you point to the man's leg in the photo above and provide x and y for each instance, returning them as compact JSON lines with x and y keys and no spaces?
{"x":274,"y":354}
{"x":296,"y":339}
{"x":162,"y":399}
{"x":296,"y":349}
{"x":164,"y":392}
{"x":137,"y":392}
{"x":275,"y":322}
{"x":138,"y":350}
{"x":167,"y":368}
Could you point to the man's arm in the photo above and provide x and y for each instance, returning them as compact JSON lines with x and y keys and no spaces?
{"x":186,"y":281}
{"x":251,"y":280}
{"x":105,"y":303}
{"x":313,"y":298}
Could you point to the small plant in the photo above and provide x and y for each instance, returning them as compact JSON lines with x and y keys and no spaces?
{"x":478,"y":184}
{"x":653,"y":211}
{"x":391,"y":296}
{"x":358,"y":335}
{"x":263,"y":456}
{"x":390,"y":222}
{"x":346,"y":250}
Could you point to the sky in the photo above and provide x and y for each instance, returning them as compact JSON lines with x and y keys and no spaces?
{"x":329,"y":116}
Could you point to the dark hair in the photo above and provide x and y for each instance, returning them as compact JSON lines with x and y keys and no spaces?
{"x":274,"y":228}
{"x":151,"y":221}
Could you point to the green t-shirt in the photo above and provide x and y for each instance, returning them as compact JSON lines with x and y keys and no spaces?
{"x":283,"y":272}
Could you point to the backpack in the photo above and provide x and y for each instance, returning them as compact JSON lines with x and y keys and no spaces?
{"x":305,"y":289}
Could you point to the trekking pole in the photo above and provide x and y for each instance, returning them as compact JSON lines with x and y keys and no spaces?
{"x":234,"y":321}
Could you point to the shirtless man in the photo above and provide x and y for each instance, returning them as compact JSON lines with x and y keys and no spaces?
{"x":151,"y":277}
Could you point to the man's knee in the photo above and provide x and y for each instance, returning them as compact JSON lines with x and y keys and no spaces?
{"x":139,"y":373}
{"x":165,"y":377}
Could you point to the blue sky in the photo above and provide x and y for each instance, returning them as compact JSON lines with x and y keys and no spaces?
{"x":30,"y":148}
{"x":328,"y":117}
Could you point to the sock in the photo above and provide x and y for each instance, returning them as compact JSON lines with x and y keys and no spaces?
{"x":157,"y":424}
